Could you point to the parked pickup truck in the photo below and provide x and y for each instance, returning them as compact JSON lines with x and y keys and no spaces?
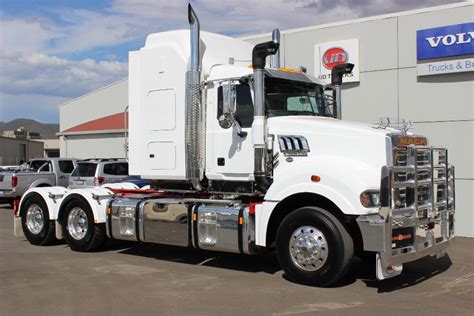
{"x":44,"y":172}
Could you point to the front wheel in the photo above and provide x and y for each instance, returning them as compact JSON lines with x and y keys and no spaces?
{"x":79,"y":229}
{"x":313,"y":247}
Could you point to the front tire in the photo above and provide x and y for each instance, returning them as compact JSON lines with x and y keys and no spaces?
{"x":313,"y":247}
{"x":79,"y":229}
{"x":37,"y":227}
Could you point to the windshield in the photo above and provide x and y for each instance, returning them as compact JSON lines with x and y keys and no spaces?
{"x":286,"y":97}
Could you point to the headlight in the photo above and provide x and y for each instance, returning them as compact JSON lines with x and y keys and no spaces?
{"x":370,"y":198}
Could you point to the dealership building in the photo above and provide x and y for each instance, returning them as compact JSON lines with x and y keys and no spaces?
{"x":415,"y":65}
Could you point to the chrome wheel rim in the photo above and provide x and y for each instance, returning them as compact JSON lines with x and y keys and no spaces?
{"x":34,"y":219}
{"x":77,"y":223}
{"x":308,"y":248}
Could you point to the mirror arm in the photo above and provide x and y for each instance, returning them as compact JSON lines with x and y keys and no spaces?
{"x":240,"y":132}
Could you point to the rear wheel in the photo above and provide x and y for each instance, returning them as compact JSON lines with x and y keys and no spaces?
{"x":79,"y":229}
{"x":313,"y":247}
{"x":37,"y":227}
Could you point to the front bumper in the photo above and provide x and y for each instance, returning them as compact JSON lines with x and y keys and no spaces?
{"x":416,"y":217}
{"x":380,"y":236}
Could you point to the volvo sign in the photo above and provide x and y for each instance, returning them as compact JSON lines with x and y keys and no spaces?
{"x":445,"y":41}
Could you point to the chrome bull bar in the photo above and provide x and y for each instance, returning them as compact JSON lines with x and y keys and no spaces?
{"x":417,"y":205}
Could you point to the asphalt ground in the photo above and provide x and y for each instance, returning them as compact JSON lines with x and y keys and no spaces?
{"x":143,"y":279}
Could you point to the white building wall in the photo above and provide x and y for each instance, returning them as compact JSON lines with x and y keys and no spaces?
{"x":440,"y":107}
{"x":106,"y":101}
{"x":93,"y":146}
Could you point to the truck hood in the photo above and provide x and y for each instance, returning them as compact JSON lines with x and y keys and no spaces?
{"x":347,"y":156}
{"x":326,"y":125}
{"x":333,"y":139}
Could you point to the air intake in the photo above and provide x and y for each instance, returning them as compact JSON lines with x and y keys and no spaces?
{"x":293,"y":145}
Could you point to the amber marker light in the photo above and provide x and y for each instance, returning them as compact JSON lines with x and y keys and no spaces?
{"x":412,"y":140}
{"x":315,"y":178}
{"x":290,"y":70}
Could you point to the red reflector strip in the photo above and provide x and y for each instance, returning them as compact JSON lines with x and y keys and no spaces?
{"x":252,"y":207}
{"x":16,"y":204}
{"x":401,"y":237}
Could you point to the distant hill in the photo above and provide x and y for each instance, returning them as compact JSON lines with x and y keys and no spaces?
{"x":46,"y":130}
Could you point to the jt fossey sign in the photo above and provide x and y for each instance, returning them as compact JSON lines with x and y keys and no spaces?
{"x":445,"y":41}
{"x":329,"y":54}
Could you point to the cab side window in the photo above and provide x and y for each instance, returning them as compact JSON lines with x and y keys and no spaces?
{"x":244,"y":105}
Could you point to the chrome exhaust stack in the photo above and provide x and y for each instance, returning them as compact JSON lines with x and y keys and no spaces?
{"x":194,"y":155}
{"x":259,"y":125}
{"x":276,"y":57}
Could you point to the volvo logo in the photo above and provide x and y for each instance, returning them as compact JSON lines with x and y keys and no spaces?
{"x":451,"y":39}
{"x":445,"y":41}
{"x":334,"y":56}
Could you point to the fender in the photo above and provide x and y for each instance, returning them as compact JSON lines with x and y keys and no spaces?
{"x":342,"y":180}
{"x":97,"y":198}
{"x":263,"y":214}
{"x":338,"y":184}
{"x":53,"y":196}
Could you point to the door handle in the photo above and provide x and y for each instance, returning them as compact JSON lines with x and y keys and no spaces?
{"x":62,"y":177}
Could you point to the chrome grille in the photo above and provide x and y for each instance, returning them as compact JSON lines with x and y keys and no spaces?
{"x":421,"y":197}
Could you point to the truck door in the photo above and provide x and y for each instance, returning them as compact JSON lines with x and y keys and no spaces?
{"x":232,"y":154}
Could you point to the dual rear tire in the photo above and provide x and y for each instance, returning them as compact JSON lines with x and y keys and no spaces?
{"x":79,"y":229}
{"x":37,"y":227}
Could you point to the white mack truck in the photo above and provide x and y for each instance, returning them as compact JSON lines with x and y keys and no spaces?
{"x":248,"y":159}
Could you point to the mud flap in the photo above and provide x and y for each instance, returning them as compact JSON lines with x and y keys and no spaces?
{"x":384,"y":272}
{"x":17,"y":229}
{"x":59,"y":230}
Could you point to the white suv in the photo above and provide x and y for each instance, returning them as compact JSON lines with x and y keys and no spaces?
{"x":95,"y":172}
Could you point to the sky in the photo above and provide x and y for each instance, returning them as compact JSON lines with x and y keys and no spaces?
{"x":52,"y":51}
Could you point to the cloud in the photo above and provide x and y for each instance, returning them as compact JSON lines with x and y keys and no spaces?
{"x":26,"y":34}
{"x":36,"y":73}
{"x":124,"y":21}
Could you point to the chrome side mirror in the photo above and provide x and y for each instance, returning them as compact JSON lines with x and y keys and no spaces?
{"x":226,"y":120}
